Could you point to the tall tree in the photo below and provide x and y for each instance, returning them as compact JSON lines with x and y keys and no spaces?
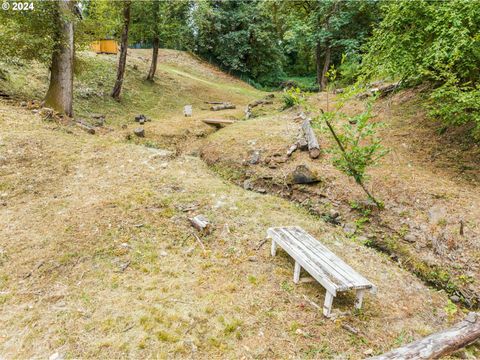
{"x":155,"y":40}
{"x":239,"y":36}
{"x":60,"y":91}
{"x":122,"y":60}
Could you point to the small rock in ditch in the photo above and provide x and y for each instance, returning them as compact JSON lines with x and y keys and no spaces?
{"x":303,"y":175}
{"x":410,"y":238}
{"x":248,"y":185}
{"x":261,"y":190}
{"x":455,"y":298}
{"x":350,"y":228}
{"x":254,"y":158}
{"x":140,"y":132}
{"x":333,"y":213}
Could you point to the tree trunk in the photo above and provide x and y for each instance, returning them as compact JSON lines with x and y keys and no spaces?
{"x":326,"y":65}
{"x":122,"y":61}
{"x":155,"y":40}
{"x":60,"y":91}
{"x":153,"y":66}
{"x":440,"y":344}
{"x":318,"y":62}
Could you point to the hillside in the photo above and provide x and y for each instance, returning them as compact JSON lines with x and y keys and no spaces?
{"x":97,"y":259}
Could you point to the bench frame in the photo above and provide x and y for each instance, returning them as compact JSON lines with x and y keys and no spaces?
{"x":331,"y":291}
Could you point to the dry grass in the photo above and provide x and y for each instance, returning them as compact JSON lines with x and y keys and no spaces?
{"x":96,"y":260}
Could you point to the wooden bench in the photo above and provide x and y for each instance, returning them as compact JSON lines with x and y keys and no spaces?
{"x":322,"y":264}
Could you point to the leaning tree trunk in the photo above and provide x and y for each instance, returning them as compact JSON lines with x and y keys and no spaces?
{"x":117,"y":88}
{"x":60,"y":91}
{"x":440,"y":344}
{"x":318,"y":63}
{"x":155,"y":41}
{"x":153,"y":66}
{"x":326,"y":65}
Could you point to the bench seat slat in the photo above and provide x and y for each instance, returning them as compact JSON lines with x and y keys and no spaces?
{"x":327,"y":268}
{"x":321,"y":257}
{"x":350,"y":275}
{"x":312,"y":268}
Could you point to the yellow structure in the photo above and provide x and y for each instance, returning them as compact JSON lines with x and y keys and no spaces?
{"x":104,"y":46}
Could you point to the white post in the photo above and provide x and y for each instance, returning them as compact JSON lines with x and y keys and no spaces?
{"x":359,"y":299}
{"x":327,"y":306}
{"x":274,"y":248}
{"x":296,"y":273}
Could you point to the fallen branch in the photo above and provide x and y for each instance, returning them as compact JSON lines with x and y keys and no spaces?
{"x":223,"y":106}
{"x":260,"y":244}
{"x":201,"y":223}
{"x":88,"y":128}
{"x":439,"y":344}
{"x":200,"y":241}
{"x":313,"y":146}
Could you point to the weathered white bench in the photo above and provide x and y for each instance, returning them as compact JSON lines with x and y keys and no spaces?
{"x":326,"y":267}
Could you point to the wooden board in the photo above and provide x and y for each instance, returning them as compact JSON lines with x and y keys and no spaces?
{"x":218,"y":121}
{"x":326,"y":267}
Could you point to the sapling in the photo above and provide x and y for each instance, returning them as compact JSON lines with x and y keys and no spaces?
{"x":356,"y":147}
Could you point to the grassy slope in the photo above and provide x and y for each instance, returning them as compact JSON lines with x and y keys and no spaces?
{"x":77,"y":208}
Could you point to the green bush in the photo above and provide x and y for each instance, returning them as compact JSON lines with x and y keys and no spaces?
{"x":292,"y":97}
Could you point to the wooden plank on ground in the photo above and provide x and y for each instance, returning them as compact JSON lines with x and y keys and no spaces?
{"x":218,"y":121}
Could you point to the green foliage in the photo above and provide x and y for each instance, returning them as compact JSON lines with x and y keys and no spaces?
{"x":457,"y":105}
{"x":292,"y":97}
{"x":437,"y":42}
{"x":238,"y":36}
{"x":28,"y":34}
{"x":166,"y":19}
{"x":357,"y":147}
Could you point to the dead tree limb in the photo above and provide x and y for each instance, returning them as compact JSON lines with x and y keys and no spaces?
{"x":223,"y":106}
{"x":439,"y":344}
{"x":313,"y":146}
{"x":201,"y":223}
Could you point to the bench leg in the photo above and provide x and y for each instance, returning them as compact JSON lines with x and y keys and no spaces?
{"x":296,"y":273}
{"x":274,"y":248}
{"x":359,"y":299}
{"x":327,"y":306}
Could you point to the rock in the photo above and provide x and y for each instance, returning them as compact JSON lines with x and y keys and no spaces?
{"x":368,"y":352}
{"x":140,"y":132}
{"x":23,"y":104}
{"x":350,"y":228}
{"x":333,"y":213}
{"x":187,"y":111}
{"x":140,"y":117}
{"x":410,"y":238}
{"x":163,"y":253}
{"x":261,"y":190}
{"x":252,"y":259}
{"x":303,"y":175}
{"x":455,"y":298}
{"x":56,"y":356}
{"x":436,"y":214}
{"x":141,"y":121}
{"x":254,"y":158}
{"x":248,"y":184}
